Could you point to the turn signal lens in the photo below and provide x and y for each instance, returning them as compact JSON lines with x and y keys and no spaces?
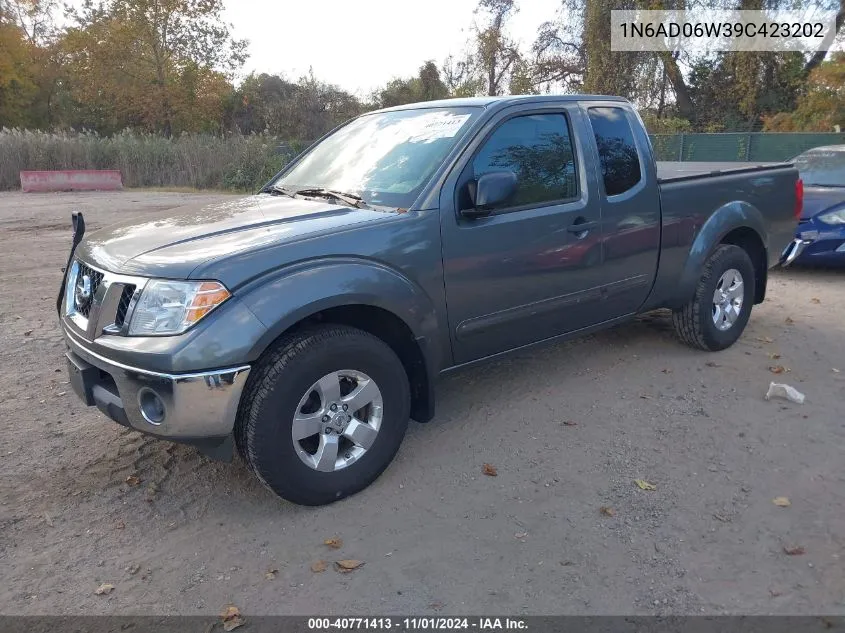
{"x":210,"y":295}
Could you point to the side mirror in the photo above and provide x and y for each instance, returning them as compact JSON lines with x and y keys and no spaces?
{"x":490,"y":190}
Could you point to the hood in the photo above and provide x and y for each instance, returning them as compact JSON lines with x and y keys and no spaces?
{"x":820,"y":199}
{"x":174,"y":245}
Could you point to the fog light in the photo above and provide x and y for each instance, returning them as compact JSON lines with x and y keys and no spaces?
{"x":152,"y":407}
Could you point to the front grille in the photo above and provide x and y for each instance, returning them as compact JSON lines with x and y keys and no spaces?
{"x":123,"y":306}
{"x":96,"y":278}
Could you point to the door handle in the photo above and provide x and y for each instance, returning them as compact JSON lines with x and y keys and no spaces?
{"x":581,"y":227}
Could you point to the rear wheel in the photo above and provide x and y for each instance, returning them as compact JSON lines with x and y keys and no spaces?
{"x":717,"y":314}
{"x":324,"y":414}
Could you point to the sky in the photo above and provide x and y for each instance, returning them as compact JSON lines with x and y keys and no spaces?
{"x":362,"y":44}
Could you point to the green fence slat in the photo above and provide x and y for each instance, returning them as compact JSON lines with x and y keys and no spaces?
{"x":739,"y":146}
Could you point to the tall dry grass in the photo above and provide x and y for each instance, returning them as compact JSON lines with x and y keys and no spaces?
{"x":200,"y":161}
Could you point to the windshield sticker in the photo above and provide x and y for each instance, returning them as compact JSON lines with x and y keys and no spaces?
{"x":438,"y":125}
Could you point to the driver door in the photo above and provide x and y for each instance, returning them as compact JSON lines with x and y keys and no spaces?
{"x":531,"y":268}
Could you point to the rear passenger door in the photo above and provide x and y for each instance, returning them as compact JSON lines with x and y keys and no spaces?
{"x":630,"y":205}
{"x":531,"y":268}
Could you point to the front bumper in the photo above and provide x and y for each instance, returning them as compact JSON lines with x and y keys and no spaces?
{"x":195,"y":408}
{"x":818,"y":243}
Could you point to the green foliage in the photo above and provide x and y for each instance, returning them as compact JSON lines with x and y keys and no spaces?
{"x":734,"y":91}
{"x":822,"y":106}
{"x":165,"y":68}
{"x":426,"y":86}
{"x":300,"y":111}
{"x":17,"y":81}
{"x":200,"y":161}
{"x":664,"y":125}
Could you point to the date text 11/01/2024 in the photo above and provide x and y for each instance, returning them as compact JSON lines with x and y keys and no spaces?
{"x":417,"y":624}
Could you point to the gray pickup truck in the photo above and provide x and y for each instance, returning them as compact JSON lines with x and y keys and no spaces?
{"x":307,"y":323}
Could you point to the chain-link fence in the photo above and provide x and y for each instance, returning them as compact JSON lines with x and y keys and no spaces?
{"x":755,"y":146}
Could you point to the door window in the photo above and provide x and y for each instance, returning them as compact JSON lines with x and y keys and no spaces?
{"x":538,"y":149}
{"x":620,"y":163}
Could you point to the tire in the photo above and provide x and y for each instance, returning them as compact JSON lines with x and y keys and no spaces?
{"x":283,"y":380}
{"x":694,"y":322}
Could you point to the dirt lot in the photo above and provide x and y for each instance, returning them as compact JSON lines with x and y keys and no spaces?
{"x":569,"y":428}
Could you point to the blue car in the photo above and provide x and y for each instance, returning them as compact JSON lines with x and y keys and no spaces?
{"x":820,"y":236}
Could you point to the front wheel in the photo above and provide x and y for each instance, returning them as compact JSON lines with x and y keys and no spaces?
{"x":324,"y":414}
{"x":717,"y":314}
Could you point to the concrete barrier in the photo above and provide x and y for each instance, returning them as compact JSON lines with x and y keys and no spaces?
{"x":71,"y":180}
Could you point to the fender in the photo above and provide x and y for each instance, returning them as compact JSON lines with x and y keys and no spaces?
{"x":288,"y":295}
{"x":731,"y":216}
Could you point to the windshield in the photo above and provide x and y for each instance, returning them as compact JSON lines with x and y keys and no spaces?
{"x":385,"y":158}
{"x":822,"y":167}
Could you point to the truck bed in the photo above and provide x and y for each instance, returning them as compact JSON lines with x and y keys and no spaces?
{"x":668,"y":171}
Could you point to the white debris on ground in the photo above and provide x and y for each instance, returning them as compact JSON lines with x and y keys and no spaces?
{"x":779,"y":390}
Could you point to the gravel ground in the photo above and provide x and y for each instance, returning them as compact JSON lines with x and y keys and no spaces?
{"x":569,"y":428}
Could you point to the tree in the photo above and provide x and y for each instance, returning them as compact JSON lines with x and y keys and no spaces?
{"x":17,"y":82}
{"x":735,"y":90}
{"x":560,"y":56}
{"x":460,"y":76}
{"x":426,"y":86}
{"x":496,"y":53}
{"x":152,"y":63}
{"x":298,"y":112}
{"x":822,"y":107}
{"x":33,"y":17}
{"x":819,"y":56}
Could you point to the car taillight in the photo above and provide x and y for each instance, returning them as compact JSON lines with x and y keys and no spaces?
{"x":799,"y":198}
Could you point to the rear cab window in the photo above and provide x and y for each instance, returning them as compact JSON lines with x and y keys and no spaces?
{"x":618,"y":157}
{"x":538,"y":149}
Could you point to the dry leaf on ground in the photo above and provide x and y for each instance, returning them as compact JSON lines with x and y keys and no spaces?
{"x":644,"y":485}
{"x":133,"y":480}
{"x":774,"y":356}
{"x":270,"y":574}
{"x":778,"y":369}
{"x":104,"y":589}
{"x":319,"y":566}
{"x":489,"y":470}
{"x":334,"y":542}
{"x":789,"y":321}
{"x":346,"y":566}
{"x":231,"y":625}
{"x":231,"y":617}
{"x":795,"y":550}
{"x":765,"y":339}
{"x":782,"y":502}
{"x":815,"y":300}
{"x":119,"y":525}
{"x":607,"y":511}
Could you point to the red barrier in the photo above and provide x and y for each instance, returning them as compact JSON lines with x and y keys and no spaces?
{"x":71,"y":180}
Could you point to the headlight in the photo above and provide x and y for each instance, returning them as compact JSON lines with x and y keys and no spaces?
{"x":171,"y":307}
{"x":834,"y":217}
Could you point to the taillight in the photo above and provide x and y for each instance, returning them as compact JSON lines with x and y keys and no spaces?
{"x":799,"y":198}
